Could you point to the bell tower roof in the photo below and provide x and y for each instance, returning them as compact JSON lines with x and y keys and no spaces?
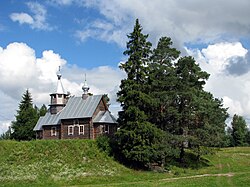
{"x":59,"y":88}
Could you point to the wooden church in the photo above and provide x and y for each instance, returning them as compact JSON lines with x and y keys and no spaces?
{"x":70,"y":117}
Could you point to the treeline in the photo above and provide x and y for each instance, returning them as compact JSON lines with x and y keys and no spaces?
{"x":238,"y":134}
{"x":27,"y":116}
{"x":165,"y":110}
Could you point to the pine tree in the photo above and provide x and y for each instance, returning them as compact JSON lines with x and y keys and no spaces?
{"x":26,"y":119}
{"x":162,"y":83}
{"x":239,"y":130}
{"x":201,"y":120}
{"x":207,"y":128}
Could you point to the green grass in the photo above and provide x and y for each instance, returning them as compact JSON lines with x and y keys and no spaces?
{"x":80,"y":163}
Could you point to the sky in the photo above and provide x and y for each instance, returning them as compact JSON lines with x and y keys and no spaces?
{"x":89,"y":36}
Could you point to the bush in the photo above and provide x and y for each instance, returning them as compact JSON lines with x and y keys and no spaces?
{"x":104,"y":144}
{"x":143,"y":144}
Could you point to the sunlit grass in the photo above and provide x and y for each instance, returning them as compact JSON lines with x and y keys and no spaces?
{"x":80,"y":163}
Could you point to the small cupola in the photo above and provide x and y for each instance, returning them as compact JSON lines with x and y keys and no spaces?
{"x":85,"y":89}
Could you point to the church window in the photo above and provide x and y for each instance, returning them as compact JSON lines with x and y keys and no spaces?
{"x":81,"y":129}
{"x":106,"y":128}
{"x":53,"y":131}
{"x":70,"y":130}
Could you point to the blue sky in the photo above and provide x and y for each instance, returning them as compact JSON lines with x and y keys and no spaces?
{"x":60,"y":36}
{"x":89,"y":36}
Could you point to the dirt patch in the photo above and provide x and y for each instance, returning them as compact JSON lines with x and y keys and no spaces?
{"x":244,"y":154}
{"x":199,"y":176}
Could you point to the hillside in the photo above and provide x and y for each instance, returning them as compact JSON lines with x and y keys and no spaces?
{"x":55,"y":162}
{"x":80,"y":163}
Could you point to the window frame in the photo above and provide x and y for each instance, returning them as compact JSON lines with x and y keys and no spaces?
{"x":72,"y":128}
{"x":81,"y":132}
{"x":106,"y":126}
{"x":53,"y":131}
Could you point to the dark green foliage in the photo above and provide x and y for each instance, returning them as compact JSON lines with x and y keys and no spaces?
{"x":200,"y":118}
{"x":43,"y":110}
{"x":163,"y":94}
{"x":138,"y":50}
{"x":229,"y":138}
{"x":141,"y":144}
{"x":131,"y":92}
{"x":26,"y":119}
{"x":6,"y":135}
{"x":248,"y":137}
{"x":162,"y":83}
{"x":104,"y":144}
{"x":239,"y":130}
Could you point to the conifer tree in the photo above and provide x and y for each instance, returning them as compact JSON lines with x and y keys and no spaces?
{"x":26,"y":119}
{"x":201,"y":118}
{"x":43,"y":110}
{"x":132,"y":91}
{"x":162,"y":83}
{"x":138,"y":141}
{"x":239,"y":130}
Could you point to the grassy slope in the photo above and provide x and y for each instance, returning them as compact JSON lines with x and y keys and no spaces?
{"x":80,"y":163}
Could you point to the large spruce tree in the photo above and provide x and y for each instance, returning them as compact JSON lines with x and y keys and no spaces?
{"x":132,"y":90}
{"x":26,"y":118}
{"x":138,"y":141}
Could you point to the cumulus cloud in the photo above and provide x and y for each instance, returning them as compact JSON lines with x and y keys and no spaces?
{"x":184,"y":21}
{"x":104,"y":31}
{"x":238,"y":65}
{"x":37,"y":20}
{"x":216,"y":59}
{"x":20,"y":69}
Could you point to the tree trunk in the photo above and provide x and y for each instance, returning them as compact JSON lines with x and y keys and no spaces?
{"x":182,"y":153}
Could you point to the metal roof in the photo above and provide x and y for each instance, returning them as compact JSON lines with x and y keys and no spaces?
{"x":104,"y":117}
{"x":48,"y":119}
{"x":76,"y":107}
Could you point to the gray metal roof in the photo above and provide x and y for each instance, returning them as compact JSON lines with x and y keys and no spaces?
{"x":104,"y":117}
{"x":48,"y":119}
{"x":76,"y":107}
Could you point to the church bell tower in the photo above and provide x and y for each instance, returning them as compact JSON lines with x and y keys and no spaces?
{"x":59,"y":97}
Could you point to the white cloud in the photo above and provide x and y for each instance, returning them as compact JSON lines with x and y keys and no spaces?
{"x":185,"y":22}
{"x":22,"y":18}
{"x":235,"y":90}
{"x":104,"y":31}
{"x":20,"y":69}
{"x":37,"y":20}
{"x":60,"y":2}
